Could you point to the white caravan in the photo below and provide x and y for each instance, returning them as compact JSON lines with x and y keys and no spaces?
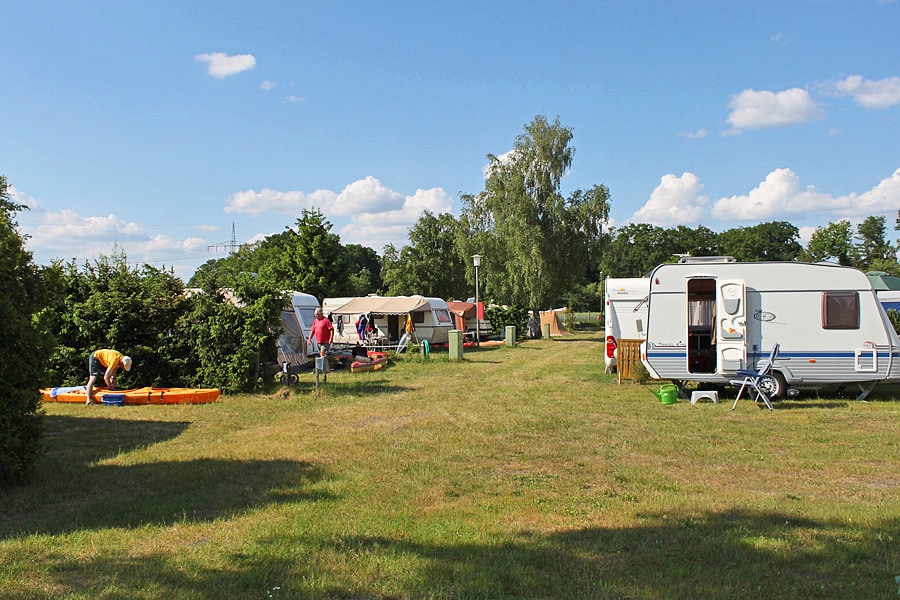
{"x":297,"y":318}
{"x":709,"y":317}
{"x":344,"y":325}
{"x":890,"y":299}
{"x":625,"y":313}
{"x":389,"y":314}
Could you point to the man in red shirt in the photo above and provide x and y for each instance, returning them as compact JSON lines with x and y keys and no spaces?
{"x":323,"y":331}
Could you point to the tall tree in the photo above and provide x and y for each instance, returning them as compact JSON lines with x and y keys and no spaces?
{"x":834,"y":241}
{"x":306,"y":259}
{"x":635,"y":249}
{"x":365,"y":270}
{"x":536,"y":243}
{"x":776,"y":240}
{"x":430,"y":265}
{"x":873,"y":247}
{"x":24,"y":351}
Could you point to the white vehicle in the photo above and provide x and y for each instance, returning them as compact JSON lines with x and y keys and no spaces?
{"x":430,"y":318}
{"x":890,"y":299}
{"x":344,"y":325}
{"x":626,"y":313}
{"x":709,"y":317}
{"x":297,"y":318}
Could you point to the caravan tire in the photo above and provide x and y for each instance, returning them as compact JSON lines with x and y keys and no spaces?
{"x":775,"y":385}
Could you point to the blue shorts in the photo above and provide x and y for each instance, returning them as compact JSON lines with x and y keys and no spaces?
{"x":96,"y":368}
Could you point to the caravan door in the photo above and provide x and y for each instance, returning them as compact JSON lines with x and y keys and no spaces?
{"x":731,"y":325}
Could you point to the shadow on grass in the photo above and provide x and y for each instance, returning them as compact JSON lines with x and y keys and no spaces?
{"x":730,"y":555}
{"x":365,"y":385}
{"x":75,"y":488}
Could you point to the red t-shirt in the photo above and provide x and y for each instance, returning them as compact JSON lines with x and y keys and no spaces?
{"x":322,"y":330}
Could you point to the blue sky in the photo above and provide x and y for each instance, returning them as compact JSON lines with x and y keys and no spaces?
{"x":155,"y":127}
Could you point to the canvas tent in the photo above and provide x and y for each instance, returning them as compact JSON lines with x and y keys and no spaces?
{"x":551,"y":317}
{"x":461,"y":311}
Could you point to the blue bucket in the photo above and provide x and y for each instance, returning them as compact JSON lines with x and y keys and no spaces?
{"x":113,"y":399}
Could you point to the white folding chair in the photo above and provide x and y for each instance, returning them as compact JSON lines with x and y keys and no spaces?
{"x":753,"y":381}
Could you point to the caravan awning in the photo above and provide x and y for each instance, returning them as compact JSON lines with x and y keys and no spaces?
{"x":462,"y":309}
{"x":389,"y":305}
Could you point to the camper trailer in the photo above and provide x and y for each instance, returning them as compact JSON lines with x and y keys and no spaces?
{"x":890,"y":299}
{"x":344,"y":325}
{"x":297,"y":317}
{"x":388,"y":316}
{"x":625,"y":308}
{"x":708,"y":318}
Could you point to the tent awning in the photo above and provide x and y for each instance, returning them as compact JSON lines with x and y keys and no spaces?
{"x":384,"y":305}
{"x":882,"y":281}
{"x":462,"y":309}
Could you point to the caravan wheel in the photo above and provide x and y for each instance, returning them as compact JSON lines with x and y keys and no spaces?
{"x":775,"y":385}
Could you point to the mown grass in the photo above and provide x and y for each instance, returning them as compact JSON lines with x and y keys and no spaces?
{"x":519,"y":473}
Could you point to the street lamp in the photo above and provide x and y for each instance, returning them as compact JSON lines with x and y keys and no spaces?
{"x":476,"y":260}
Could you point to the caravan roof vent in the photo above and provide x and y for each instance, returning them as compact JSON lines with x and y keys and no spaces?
{"x":684,"y":260}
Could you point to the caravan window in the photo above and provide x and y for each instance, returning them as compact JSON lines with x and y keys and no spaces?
{"x":840,"y":310}
{"x":418,"y":317}
{"x":443,"y":316}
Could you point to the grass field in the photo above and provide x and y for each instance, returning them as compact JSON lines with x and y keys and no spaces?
{"x":518,"y":473}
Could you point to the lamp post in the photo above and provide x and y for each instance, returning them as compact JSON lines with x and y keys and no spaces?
{"x":476,"y":260}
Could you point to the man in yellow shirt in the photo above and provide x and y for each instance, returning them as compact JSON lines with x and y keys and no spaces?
{"x":104,"y":364}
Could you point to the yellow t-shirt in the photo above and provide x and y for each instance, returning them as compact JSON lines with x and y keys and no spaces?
{"x":109,"y":357}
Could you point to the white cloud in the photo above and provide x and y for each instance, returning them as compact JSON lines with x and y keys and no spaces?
{"x":755,"y":110}
{"x":255,"y":203}
{"x":883,"y":197}
{"x":377,"y":214}
{"x":870,"y":94}
{"x":27,"y":201}
{"x":694,"y":135}
{"x":375,"y":229}
{"x":676,"y":200}
{"x":268,"y":85}
{"x":220,"y":65}
{"x":66,"y":225}
{"x":365,"y":195}
{"x":781,"y":196}
{"x":294,"y":99}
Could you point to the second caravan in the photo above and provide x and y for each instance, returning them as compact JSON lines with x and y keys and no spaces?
{"x":389,"y":317}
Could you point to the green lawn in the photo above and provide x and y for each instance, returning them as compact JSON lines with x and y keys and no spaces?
{"x":519,"y":473}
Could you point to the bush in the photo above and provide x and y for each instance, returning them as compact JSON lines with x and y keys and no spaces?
{"x":501,"y":317}
{"x":894,"y":316}
{"x":24,"y":351}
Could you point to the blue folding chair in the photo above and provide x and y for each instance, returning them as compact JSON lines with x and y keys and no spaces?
{"x":753,"y":381}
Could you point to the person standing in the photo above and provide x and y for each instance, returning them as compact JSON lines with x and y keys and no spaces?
{"x":104,"y":364}
{"x":323,"y":331}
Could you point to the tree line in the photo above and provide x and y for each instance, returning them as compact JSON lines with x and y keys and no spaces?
{"x":541,"y":249}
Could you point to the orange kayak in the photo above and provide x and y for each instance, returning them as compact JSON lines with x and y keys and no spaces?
{"x":375,"y":362}
{"x":146,"y":395}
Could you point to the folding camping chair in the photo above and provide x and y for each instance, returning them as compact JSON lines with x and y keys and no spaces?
{"x":753,"y":380}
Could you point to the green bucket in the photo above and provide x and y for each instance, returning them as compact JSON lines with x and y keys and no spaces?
{"x":668,"y":394}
